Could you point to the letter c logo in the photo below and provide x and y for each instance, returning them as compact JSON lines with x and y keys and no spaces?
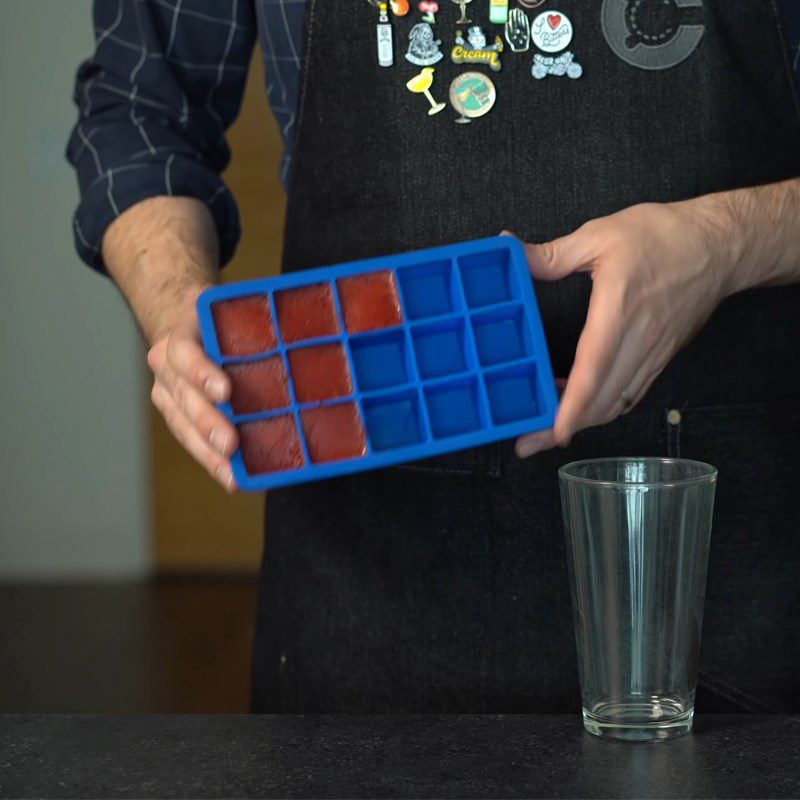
{"x":661,"y":42}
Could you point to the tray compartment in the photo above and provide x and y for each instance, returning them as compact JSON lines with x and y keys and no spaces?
{"x":259,"y":386}
{"x":486,"y":277}
{"x":429,"y":290}
{"x":393,"y":420}
{"x":306,"y":312}
{"x":441,"y":348}
{"x":270,"y":445}
{"x":514,"y":393}
{"x":243,"y":325}
{"x":333,"y":433}
{"x":455,"y":407}
{"x":319,"y":372}
{"x":369,"y":301}
{"x":380,"y":360}
{"x":501,"y":335}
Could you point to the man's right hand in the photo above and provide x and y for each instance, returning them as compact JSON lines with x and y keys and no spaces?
{"x":186,"y":387}
{"x":163,"y":252}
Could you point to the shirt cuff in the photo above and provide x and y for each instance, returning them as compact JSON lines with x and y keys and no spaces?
{"x":120,"y":188}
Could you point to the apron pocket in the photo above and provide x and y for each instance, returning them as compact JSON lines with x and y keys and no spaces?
{"x":754,"y":446}
{"x":750,"y":647}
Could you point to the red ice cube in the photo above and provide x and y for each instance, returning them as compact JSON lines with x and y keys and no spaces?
{"x":244,"y":325}
{"x":333,"y":432}
{"x":369,"y":301}
{"x":258,"y":386}
{"x":320,"y":373}
{"x":306,"y":312}
{"x":270,"y":445}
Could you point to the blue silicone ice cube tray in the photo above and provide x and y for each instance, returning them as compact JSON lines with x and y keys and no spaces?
{"x":364,"y":365}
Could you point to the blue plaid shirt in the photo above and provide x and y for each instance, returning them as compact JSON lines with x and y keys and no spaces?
{"x":165,"y":82}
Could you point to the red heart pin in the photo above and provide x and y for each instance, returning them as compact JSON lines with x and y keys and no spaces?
{"x":554,"y":20}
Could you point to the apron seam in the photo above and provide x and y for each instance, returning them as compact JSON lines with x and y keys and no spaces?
{"x":734,"y":694}
{"x":308,"y":42}
{"x":784,"y":50}
{"x":491,"y":471}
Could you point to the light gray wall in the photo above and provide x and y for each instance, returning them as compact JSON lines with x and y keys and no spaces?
{"x":74,"y":447}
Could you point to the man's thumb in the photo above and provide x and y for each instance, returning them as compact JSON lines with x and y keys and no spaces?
{"x":550,"y":261}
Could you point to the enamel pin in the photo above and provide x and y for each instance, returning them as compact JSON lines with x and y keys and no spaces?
{"x":472,"y":94}
{"x":421,"y":84}
{"x":429,"y":10}
{"x":498,"y":11}
{"x":399,"y":7}
{"x":385,"y":48}
{"x":462,"y":4}
{"x":423,"y":48}
{"x":518,"y":31}
{"x":475,"y":49}
{"x":551,"y":31}
{"x":564,"y":64}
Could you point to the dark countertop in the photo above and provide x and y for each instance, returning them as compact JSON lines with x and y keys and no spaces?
{"x":389,"y":756}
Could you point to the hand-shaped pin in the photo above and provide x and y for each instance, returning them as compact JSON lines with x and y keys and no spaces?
{"x":518,"y":30}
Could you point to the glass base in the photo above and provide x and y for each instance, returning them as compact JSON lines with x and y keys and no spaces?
{"x":638,"y":722}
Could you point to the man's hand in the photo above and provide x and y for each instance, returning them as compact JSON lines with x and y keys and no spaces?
{"x":163,"y":252}
{"x":186,"y":387}
{"x":658,"y":272}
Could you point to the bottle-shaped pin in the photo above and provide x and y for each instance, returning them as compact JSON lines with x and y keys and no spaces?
{"x":498,"y":11}
{"x":385,"y":47}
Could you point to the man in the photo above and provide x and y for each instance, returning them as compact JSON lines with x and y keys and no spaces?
{"x":662,"y":191}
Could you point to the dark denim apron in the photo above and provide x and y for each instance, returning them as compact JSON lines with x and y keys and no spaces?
{"x":441,"y":585}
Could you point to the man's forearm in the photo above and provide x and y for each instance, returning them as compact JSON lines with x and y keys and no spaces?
{"x":756,"y":233}
{"x":162,"y":253}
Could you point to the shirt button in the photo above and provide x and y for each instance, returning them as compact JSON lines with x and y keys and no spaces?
{"x":674,"y":417}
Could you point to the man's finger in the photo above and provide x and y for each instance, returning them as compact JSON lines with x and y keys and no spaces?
{"x":649,"y":370}
{"x":210,"y":423}
{"x":217,"y":466}
{"x":596,"y":351}
{"x":533,"y":443}
{"x":550,"y":261}
{"x":187,"y":358}
{"x":620,"y":378}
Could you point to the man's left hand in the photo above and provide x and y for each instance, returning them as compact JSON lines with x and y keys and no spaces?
{"x":657,"y":274}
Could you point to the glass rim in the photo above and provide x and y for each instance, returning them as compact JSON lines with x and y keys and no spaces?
{"x":709,"y":474}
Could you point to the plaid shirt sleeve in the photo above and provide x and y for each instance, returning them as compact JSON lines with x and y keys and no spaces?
{"x":165,"y":81}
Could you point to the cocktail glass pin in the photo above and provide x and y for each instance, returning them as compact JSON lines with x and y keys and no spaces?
{"x":463,"y":5}
{"x":421,"y":84}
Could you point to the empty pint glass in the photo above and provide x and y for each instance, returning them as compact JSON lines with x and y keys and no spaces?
{"x":638,"y":532}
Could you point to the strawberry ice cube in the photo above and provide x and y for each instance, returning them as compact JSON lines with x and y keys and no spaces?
{"x":333,"y":433}
{"x":258,"y":386}
{"x":306,"y":313}
{"x":369,"y":301}
{"x":270,"y":445}
{"x":320,"y":373}
{"x":244,"y":325}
